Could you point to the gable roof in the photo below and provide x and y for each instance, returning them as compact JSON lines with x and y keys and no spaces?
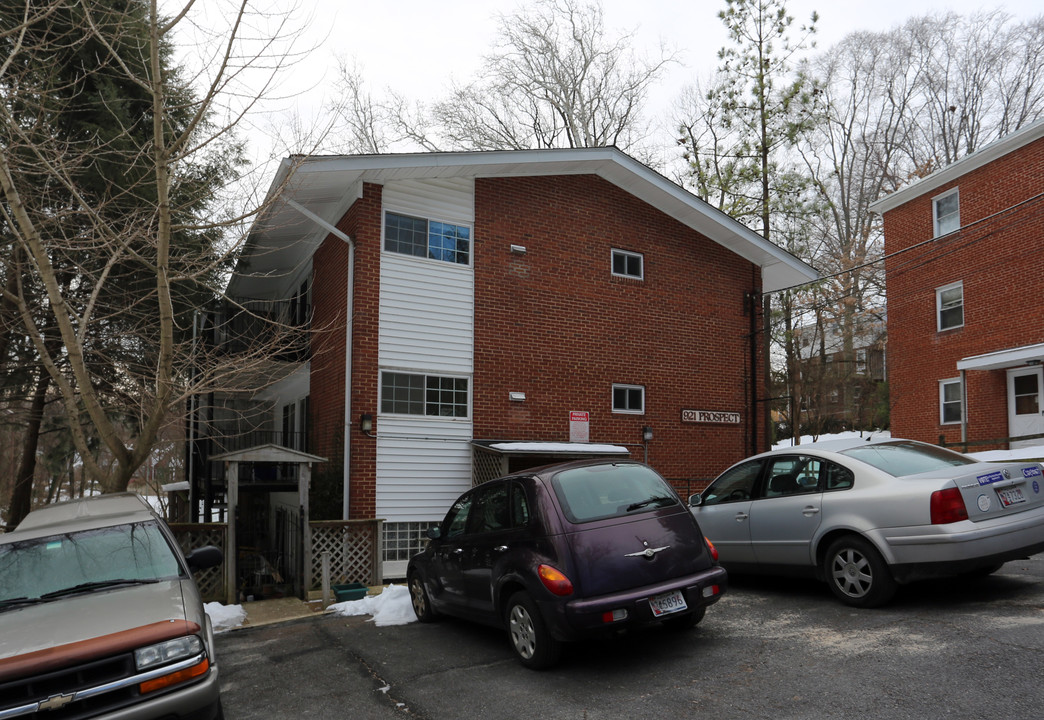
{"x":310,"y":194}
{"x":982,"y":156}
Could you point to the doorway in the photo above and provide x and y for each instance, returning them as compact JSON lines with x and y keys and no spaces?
{"x":1025,"y":404}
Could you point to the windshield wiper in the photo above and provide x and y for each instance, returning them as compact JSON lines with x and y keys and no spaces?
{"x":82,"y":587}
{"x":639,"y":505}
{"x":15,"y":602}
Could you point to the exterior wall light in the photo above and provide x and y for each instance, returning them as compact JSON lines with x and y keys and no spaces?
{"x":366,"y":424}
{"x":518,"y":249}
{"x":517,"y":396}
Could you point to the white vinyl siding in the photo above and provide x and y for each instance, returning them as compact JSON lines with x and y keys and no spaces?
{"x":426,"y":328}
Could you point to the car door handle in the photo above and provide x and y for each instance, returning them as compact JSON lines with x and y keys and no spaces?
{"x":741,"y":516}
{"x":810,"y":510}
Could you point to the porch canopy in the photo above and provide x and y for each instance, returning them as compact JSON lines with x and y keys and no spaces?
{"x":1001,"y":359}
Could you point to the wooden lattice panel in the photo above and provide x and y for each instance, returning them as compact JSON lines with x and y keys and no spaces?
{"x":354,"y":548}
{"x":190,"y":536}
{"x":486,"y":466}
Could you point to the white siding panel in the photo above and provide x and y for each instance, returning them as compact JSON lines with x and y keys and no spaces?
{"x":426,"y":326}
{"x":426,"y":315}
{"x":422,"y":466}
{"x":448,"y":199}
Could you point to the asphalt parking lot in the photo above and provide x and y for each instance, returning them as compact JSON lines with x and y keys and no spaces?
{"x":774,"y":648}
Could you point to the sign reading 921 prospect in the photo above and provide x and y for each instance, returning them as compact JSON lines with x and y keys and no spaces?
{"x":718,"y":417}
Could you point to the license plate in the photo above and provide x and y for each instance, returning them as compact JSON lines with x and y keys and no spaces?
{"x":668,"y":603}
{"x":1011,"y":496}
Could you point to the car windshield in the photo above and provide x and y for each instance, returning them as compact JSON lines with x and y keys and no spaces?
{"x":56,"y":564}
{"x":603,"y":491}
{"x":907,"y":458}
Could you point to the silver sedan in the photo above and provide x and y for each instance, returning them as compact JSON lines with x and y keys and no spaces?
{"x":866,"y":516}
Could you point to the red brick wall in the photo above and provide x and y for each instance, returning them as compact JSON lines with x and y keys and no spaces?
{"x":329,"y":297}
{"x":555,"y":324}
{"x":998,"y":255}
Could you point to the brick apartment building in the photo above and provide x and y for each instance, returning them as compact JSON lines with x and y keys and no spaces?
{"x":477,"y":313}
{"x":965,"y":278}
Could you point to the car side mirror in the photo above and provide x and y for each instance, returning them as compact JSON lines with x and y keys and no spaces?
{"x":434,"y":533}
{"x":695,"y":500}
{"x":205,"y":557}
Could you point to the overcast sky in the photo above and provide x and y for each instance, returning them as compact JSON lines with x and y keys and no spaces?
{"x":418,"y":47}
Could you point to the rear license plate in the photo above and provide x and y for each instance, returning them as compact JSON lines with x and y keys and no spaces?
{"x":1011,"y":496}
{"x":668,"y":603}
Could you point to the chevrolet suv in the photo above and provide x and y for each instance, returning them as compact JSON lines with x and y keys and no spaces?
{"x":100,"y":616}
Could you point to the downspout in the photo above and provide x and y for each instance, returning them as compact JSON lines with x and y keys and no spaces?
{"x":964,"y":410}
{"x":346,"y":496}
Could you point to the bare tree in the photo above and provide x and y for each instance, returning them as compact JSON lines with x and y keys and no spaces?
{"x":117,"y":230}
{"x":555,"y":77}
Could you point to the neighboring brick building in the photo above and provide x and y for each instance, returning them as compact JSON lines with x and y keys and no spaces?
{"x":965,"y":278}
{"x":496,"y":301}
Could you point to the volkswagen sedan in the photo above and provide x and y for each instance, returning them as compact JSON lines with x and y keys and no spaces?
{"x":566,"y":551}
{"x":868,"y":516}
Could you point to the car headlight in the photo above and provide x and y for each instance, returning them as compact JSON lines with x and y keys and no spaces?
{"x":162,"y":653}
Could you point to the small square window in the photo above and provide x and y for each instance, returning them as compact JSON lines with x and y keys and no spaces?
{"x":950,"y":401}
{"x":628,"y":399}
{"x":628,"y":264}
{"x":949,"y":306}
{"x":946,"y":211}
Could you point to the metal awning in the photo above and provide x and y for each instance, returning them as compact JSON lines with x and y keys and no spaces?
{"x":566,"y":449}
{"x":1013,"y":357}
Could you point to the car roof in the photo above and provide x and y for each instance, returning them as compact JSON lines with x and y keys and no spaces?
{"x":83,"y":514}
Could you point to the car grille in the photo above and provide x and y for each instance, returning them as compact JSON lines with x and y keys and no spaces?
{"x":64,"y":682}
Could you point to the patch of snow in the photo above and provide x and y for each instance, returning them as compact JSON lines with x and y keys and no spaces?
{"x":850,"y":434}
{"x":1032,"y":452}
{"x":391,"y":607}
{"x":225,"y":617}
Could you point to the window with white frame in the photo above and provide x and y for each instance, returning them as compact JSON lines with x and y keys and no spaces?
{"x":628,"y":399}
{"x":628,"y":264}
{"x":860,"y":362}
{"x":950,"y":401}
{"x":429,"y":395}
{"x":946,"y":212}
{"x":427,"y":239}
{"x":949,"y":306}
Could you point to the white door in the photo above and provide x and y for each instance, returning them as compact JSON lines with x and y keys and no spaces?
{"x":1026,"y":404}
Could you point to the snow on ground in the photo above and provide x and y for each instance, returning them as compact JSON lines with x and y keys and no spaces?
{"x":391,"y":607}
{"x":225,"y":617}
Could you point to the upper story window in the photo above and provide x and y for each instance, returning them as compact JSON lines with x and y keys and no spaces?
{"x":628,"y":264}
{"x":628,"y":399}
{"x":950,"y":401}
{"x":430,"y":395}
{"x":427,"y":238}
{"x":946,"y":211}
{"x":949,"y":306}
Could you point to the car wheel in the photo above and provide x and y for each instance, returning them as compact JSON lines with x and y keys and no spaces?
{"x":686,"y":621}
{"x":530,"y":638}
{"x":857,"y":574}
{"x":419,"y":597}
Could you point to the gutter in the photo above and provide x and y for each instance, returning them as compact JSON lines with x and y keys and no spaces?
{"x":346,"y":495}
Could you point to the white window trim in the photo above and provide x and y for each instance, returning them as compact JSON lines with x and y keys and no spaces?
{"x":626,"y":253}
{"x":621,"y":386}
{"x":935,"y":215}
{"x":429,"y":220}
{"x":939,"y":308}
{"x":942,"y":401}
{"x":421,"y":416}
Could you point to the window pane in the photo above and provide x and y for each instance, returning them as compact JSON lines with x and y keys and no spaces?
{"x":627,"y":264}
{"x":449,"y":243}
{"x":947,"y":214}
{"x":446,"y":397}
{"x":406,"y":235}
{"x":402,"y":393}
{"x":628,"y":399}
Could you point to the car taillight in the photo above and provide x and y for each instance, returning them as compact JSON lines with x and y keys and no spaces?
{"x":555,"y":580}
{"x":713,"y":550}
{"x":947,"y":506}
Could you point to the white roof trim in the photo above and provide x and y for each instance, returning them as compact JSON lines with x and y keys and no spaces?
{"x":317,"y":183}
{"x":1001,"y":359}
{"x":549,"y":448}
{"x":983,"y":156}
